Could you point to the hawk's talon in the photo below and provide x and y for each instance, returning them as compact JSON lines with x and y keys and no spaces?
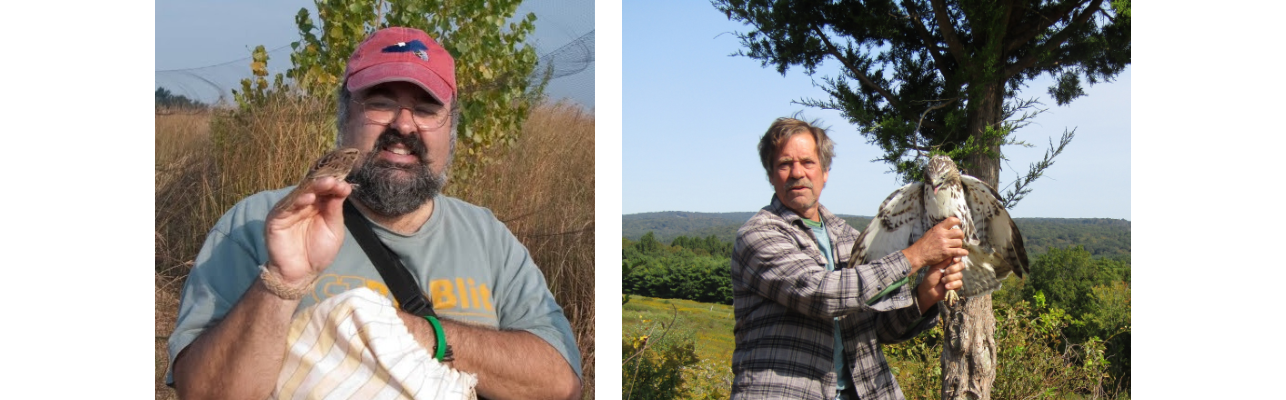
{"x":951,"y":298}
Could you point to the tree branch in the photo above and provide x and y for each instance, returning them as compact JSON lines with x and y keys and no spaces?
{"x":1007,"y":18}
{"x":919,"y":148}
{"x":830,"y":48}
{"x":926,"y":112}
{"x":1050,"y":19}
{"x":1109,"y":17}
{"x":1048,"y":63}
{"x":949,"y":32}
{"x":1055,"y":41}
{"x":918,"y":134}
{"x":927,"y":40}
{"x":1021,"y":189}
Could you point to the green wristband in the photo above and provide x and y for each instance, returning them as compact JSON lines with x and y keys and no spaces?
{"x":440,"y":349}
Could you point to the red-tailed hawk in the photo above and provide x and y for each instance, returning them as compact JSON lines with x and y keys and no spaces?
{"x":994,"y":244}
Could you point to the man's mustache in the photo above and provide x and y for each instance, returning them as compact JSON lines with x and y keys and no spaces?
{"x":799,"y":182}
{"x":392,"y":137}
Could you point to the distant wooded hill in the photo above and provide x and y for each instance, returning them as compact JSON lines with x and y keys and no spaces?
{"x":1102,"y":237}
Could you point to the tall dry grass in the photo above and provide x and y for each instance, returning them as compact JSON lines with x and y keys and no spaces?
{"x":543,"y":189}
{"x":182,"y":141}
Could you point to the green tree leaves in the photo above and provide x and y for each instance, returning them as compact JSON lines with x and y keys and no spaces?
{"x":699,"y":272}
{"x":1095,"y":292}
{"x":255,"y":92}
{"x":921,"y":76}
{"x":1067,"y":278}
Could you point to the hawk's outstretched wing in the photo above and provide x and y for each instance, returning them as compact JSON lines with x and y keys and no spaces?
{"x":998,"y":237}
{"x":897,"y":224}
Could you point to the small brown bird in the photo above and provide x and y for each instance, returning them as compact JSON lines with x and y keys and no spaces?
{"x":335,"y":164}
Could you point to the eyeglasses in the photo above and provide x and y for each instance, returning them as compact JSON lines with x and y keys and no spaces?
{"x":383,"y":110}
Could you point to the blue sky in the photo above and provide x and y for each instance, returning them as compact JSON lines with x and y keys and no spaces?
{"x":203,"y":33}
{"x":692,"y":117}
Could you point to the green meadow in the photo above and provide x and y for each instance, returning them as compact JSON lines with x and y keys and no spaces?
{"x":1034,"y":361}
{"x":672,"y":322}
{"x":710,"y":324}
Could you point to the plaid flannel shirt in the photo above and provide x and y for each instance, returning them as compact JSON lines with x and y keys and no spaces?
{"x":785,"y":303}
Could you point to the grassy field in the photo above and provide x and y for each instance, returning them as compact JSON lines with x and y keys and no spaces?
{"x":708,"y":325}
{"x":543,"y":189}
{"x":711,"y":323}
{"x":1031,"y":364}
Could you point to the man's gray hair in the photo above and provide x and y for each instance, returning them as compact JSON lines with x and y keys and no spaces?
{"x":342,"y":115}
{"x":782,"y":130}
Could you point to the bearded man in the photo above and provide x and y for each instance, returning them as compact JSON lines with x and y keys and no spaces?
{"x":264,"y":264}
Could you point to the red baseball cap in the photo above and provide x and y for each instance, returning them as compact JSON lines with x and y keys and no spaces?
{"x":402,"y":54}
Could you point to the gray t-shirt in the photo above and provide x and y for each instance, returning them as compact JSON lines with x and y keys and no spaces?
{"x":464,"y":260}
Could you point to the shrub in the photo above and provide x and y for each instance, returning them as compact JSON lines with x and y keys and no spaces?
{"x":655,"y":361}
{"x":1034,"y":359}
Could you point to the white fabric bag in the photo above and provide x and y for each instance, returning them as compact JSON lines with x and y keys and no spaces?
{"x":354,"y":346}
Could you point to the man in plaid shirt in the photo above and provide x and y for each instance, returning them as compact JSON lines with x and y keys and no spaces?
{"x":804,"y":330}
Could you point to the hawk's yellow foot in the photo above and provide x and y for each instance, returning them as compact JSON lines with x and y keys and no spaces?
{"x":952,"y":297}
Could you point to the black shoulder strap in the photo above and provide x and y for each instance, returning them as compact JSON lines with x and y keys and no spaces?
{"x":399,"y":280}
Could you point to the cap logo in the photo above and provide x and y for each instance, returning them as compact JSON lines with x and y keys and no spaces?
{"x":414,"y":47}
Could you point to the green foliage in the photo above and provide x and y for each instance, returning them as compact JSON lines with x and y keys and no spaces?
{"x":1036,"y":357}
{"x":655,"y":361}
{"x":1062,"y":332}
{"x":648,"y":244}
{"x":700,"y":272}
{"x":626,"y":271}
{"x":1102,"y":237}
{"x":1011,"y":291}
{"x":914,"y":363}
{"x":708,"y":246}
{"x":669,"y":225}
{"x":493,"y":65}
{"x":919,"y":77}
{"x":1067,"y":276}
{"x":1110,"y":322}
{"x":1033,"y":360}
{"x":987,"y":143}
{"x":1064,"y":278}
{"x":710,"y":379}
{"x":1121,"y":7}
{"x":658,"y":374}
{"x":255,"y":92}
{"x":707,"y":326}
{"x":686,"y":276}
{"x":1022,"y":184}
{"x":858,"y":223}
{"x":1096,"y":296}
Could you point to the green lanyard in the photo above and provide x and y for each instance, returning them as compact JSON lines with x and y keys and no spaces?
{"x":890,"y":289}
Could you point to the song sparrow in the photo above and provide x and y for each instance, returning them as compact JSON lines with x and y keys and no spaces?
{"x":335,"y":164}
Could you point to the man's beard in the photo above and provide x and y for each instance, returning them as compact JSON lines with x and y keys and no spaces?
{"x":383,"y":186}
